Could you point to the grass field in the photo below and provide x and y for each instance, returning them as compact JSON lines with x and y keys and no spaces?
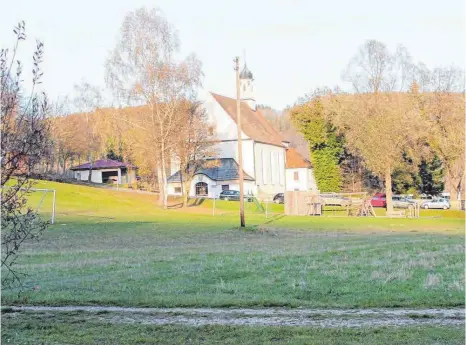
{"x":118,"y":248}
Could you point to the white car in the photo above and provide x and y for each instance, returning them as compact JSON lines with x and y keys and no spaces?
{"x":438,"y":203}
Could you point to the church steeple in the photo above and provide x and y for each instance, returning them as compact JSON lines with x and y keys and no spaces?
{"x":247,"y":87}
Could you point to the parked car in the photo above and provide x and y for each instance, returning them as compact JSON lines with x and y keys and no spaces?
{"x":279,"y":198}
{"x":437,"y":203}
{"x":425,"y":197}
{"x":379,"y":200}
{"x":445,"y":196}
{"x":331,"y":199}
{"x":233,"y":195}
{"x":400,"y":202}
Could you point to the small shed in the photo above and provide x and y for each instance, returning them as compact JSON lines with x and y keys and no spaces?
{"x":105,"y":171}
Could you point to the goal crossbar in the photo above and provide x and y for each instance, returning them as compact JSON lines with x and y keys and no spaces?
{"x":45,"y":190}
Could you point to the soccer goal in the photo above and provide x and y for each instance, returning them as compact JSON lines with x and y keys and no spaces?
{"x":43,"y":199}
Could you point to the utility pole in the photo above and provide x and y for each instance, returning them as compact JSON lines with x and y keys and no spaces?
{"x":240,"y":147}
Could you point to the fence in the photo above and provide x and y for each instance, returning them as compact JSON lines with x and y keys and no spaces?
{"x":264,"y":205}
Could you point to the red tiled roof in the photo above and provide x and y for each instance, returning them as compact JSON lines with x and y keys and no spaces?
{"x":294,"y":160}
{"x":102,"y":164}
{"x":253,"y":123}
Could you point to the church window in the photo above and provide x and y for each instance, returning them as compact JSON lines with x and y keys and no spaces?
{"x":244,"y":87}
{"x":281,"y":166}
{"x":272,"y":170}
{"x":264,"y":167}
{"x":296,"y":176}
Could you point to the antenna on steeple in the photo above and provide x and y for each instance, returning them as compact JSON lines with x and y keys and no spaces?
{"x":244,"y":56}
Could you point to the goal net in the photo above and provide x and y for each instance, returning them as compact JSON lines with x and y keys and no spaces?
{"x":43,"y":201}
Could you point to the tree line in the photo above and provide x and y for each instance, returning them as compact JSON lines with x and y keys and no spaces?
{"x":400,"y":120}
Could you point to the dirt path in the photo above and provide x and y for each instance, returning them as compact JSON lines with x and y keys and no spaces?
{"x":328,"y":318}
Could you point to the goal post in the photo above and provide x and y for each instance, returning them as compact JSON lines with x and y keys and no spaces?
{"x":40,"y":200}
{"x":54,"y":198}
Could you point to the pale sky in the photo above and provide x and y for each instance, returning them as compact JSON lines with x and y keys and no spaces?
{"x":291,"y":46}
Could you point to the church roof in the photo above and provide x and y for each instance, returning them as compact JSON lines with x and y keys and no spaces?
{"x":245,"y":73}
{"x":217,"y":169}
{"x":253,"y":123}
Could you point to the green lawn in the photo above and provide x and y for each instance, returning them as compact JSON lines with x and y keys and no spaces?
{"x":119,"y":248}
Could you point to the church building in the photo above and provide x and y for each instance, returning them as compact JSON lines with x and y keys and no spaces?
{"x":264,"y":149}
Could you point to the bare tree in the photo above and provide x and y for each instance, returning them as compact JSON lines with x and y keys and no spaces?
{"x":88,"y":100}
{"x":143,"y":69}
{"x":375,"y":69}
{"x":193,"y":146}
{"x":24,"y":134}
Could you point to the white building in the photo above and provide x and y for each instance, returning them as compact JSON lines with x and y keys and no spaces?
{"x":264,"y":149}
{"x":299,"y":174}
{"x":105,"y":171}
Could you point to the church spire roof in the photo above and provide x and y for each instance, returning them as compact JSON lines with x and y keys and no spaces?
{"x":245,"y":73}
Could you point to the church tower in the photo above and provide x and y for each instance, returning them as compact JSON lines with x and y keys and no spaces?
{"x":247,"y":87}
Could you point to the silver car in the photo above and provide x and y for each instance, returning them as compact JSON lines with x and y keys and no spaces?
{"x":399,"y":202}
{"x":438,"y":203}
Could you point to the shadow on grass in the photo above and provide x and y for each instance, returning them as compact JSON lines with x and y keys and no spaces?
{"x":274,"y":218}
{"x":197,"y":202}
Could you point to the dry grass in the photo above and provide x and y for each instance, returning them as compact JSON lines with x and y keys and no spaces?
{"x":432,"y":280}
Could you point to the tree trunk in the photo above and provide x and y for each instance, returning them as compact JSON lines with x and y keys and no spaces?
{"x":186,"y":193}
{"x":89,"y":178}
{"x":164,"y":179}
{"x":388,"y":190}
{"x":64,"y":166}
{"x":456,"y":189}
{"x":183,"y":191}
{"x":160,"y":183}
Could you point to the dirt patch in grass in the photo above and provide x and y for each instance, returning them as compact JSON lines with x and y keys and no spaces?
{"x":321,"y":318}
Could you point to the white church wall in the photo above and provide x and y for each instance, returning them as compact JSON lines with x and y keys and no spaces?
{"x":270,"y":168}
{"x":225,"y":127}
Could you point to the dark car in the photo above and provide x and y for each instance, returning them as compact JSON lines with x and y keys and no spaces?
{"x":379,"y":200}
{"x":279,"y":198}
{"x":232,"y":195}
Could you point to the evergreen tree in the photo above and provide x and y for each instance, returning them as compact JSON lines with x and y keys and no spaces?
{"x":325,"y":144}
{"x":431,"y":175}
